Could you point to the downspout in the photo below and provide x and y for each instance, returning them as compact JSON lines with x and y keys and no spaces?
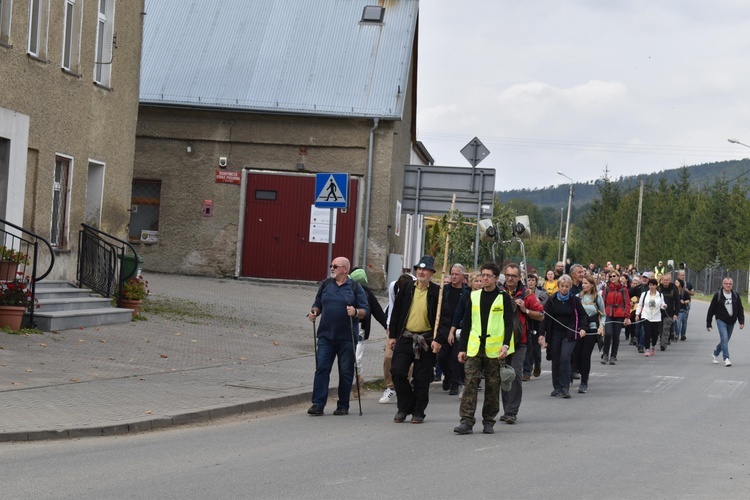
{"x":365,"y":236}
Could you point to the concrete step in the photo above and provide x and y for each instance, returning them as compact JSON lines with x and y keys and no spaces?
{"x":62,"y":293}
{"x":70,"y":304}
{"x":66,"y":320}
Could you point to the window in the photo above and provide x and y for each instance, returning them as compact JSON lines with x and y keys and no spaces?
{"x":262,"y":194}
{"x":60,"y":195}
{"x":38,"y":25}
{"x":5,"y":11}
{"x":144,"y":211}
{"x":373,"y":14}
{"x":71,"y":52}
{"x":104,"y":42}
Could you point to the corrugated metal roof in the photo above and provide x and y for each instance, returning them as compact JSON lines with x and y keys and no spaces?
{"x":283,"y":56}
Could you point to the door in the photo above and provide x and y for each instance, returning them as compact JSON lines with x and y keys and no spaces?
{"x":277,"y":228}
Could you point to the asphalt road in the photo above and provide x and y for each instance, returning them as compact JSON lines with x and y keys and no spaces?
{"x":671,"y":426}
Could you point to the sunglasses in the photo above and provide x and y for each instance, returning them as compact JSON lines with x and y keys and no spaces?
{"x":334,"y":266}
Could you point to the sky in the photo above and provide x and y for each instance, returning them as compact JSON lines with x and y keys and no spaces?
{"x":578,"y":86}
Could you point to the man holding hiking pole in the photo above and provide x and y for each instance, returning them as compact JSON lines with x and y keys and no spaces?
{"x":340,"y":303}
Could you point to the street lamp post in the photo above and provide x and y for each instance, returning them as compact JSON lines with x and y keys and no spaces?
{"x":567,"y":223}
{"x":735,"y":141}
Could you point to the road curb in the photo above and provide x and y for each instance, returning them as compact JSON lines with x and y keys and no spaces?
{"x":140,"y":426}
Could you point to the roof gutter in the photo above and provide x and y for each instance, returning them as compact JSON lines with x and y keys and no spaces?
{"x":366,"y":235}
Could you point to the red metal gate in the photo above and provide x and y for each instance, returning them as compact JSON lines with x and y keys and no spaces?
{"x":277,"y":228}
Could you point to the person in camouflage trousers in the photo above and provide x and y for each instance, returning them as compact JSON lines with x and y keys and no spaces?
{"x":487,"y":338}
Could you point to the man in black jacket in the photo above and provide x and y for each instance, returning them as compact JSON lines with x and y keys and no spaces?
{"x":672,"y":299}
{"x":410,"y":336}
{"x":726,"y":305}
{"x":448,"y":356}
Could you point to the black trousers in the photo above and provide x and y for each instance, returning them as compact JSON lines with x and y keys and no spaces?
{"x":412,"y":401}
{"x":452,"y":370}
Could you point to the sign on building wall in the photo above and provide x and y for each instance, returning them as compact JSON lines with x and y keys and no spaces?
{"x":228,"y":177}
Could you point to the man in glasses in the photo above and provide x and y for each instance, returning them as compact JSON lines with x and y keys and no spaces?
{"x":410,"y":336}
{"x":340,"y":304}
{"x":726,"y":305}
{"x":527,"y":308}
{"x":487,"y":337}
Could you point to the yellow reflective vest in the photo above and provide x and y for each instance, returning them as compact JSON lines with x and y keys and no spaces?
{"x":495,"y":328}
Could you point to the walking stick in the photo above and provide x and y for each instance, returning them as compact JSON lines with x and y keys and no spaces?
{"x":315,"y":345}
{"x":442,"y":278}
{"x":356,"y":368}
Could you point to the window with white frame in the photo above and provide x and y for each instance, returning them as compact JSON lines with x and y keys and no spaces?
{"x":38,"y":27}
{"x":71,"y":53}
{"x":104,"y":42}
{"x":5,"y":11}
{"x":60,"y":195}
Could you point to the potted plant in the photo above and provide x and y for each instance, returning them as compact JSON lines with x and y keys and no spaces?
{"x":15,"y":299}
{"x":133,"y":291}
{"x":10,"y":259}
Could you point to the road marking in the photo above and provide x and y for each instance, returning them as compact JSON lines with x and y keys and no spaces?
{"x":661,"y":383}
{"x":725,"y":389}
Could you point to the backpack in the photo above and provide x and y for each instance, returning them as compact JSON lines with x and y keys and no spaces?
{"x":609,"y":309}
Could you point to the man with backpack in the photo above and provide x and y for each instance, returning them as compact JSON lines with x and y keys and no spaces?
{"x":526,"y":308}
{"x":726,"y":305}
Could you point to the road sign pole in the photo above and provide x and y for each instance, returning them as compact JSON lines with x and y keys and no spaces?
{"x":330,"y":242}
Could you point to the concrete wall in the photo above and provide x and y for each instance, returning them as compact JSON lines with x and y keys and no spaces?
{"x":70,"y":115}
{"x":191,"y":244}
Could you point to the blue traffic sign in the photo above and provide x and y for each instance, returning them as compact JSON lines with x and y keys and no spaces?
{"x":331,"y":190}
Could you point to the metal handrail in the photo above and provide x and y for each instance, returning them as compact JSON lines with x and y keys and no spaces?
{"x":14,"y":241}
{"x":98,"y":255}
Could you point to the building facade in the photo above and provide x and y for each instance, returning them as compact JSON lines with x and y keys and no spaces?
{"x":68,"y":109}
{"x":227,"y":152}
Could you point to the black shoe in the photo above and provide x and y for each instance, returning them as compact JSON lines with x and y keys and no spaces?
{"x":605,"y":360}
{"x":464,"y":428}
{"x":612,"y":360}
{"x":556,"y":393}
{"x":510,"y":419}
{"x":663,"y":348}
{"x":341,"y":411}
{"x":315,"y":411}
{"x":683,"y":338}
{"x":640,"y":350}
{"x":453,"y":391}
{"x":565,"y":394}
{"x":488,"y":428}
{"x":583,"y":388}
{"x":633,"y":342}
{"x":417,"y":420}
{"x":400,"y":417}
{"x":446,"y":384}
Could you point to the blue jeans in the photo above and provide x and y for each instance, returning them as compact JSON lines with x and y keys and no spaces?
{"x":328,"y":350}
{"x":725,"y":333}
{"x":640,"y":333}
{"x":680,"y":326}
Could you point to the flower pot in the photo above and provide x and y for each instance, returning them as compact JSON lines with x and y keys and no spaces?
{"x":12,"y":316}
{"x":130,"y":304}
{"x":8,"y":270}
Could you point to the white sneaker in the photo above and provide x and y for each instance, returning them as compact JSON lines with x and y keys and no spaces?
{"x":460,"y":391}
{"x":715,"y":359}
{"x":389,"y":396}
{"x":727,"y":362}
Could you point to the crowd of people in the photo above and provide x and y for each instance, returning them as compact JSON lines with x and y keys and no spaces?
{"x":494,"y":324}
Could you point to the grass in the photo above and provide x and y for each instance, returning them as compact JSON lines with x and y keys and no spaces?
{"x":22,"y":331}
{"x":176,"y":308}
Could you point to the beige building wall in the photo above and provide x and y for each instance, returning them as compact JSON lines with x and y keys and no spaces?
{"x":191,"y":244}
{"x":72,"y":116}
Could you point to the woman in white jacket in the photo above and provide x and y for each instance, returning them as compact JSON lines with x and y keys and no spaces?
{"x":650,"y":307}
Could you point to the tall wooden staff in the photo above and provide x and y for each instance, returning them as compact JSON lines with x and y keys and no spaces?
{"x":442,"y":277}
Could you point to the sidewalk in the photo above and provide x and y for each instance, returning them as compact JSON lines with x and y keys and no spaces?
{"x":243,"y":346}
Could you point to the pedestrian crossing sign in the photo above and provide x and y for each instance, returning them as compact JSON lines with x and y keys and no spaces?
{"x":331,"y":190}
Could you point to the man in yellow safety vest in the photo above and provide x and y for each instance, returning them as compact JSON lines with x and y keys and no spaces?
{"x":489,"y":324}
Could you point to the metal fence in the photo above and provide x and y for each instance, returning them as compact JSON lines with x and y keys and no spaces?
{"x":709,"y":281}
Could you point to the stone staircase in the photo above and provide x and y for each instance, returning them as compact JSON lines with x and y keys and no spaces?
{"x":62,"y":306}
